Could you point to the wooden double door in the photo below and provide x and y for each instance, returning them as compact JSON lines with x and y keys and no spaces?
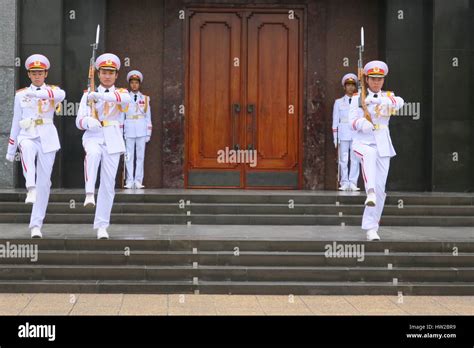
{"x":244,"y":98}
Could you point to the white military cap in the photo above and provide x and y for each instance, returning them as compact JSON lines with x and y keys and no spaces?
{"x":349,"y":78}
{"x":108,"y":61}
{"x":135,"y":74}
{"x":37,"y":62}
{"x":376,"y":68}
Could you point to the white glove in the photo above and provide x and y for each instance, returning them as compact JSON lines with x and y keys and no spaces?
{"x":10,"y":158}
{"x":41,"y":94}
{"x":148,"y":138}
{"x":26,"y":123}
{"x":92,"y":123}
{"x":367,"y":126}
{"x":371,"y":100}
{"x":385,"y":101}
{"x":94,"y":96}
{"x":335,"y":143}
{"x":31,"y":94}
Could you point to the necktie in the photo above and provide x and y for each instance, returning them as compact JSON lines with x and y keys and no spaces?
{"x":106,"y":91}
{"x":375,"y":95}
{"x":350,"y":100}
{"x":135,"y":97}
{"x":38,"y":89}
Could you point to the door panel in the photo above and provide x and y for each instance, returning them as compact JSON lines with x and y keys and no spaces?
{"x":243,"y":92}
{"x":214,"y":85}
{"x":273,"y":88}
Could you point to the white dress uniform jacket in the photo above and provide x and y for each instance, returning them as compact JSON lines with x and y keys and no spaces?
{"x":41,"y":111}
{"x":138,"y":117}
{"x":340,"y":118}
{"x":380,"y":115}
{"x":111,"y":111}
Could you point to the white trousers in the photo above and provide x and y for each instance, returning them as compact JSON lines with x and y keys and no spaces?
{"x":97,"y":154}
{"x":375,"y":172}
{"x":37,"y":167}
{"x":138,"y":145}
{"x":352,"y":176}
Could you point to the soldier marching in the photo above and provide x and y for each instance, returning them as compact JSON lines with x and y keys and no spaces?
{"x":372,"y":142}
{"x":33,"y":133}
{"x":102,"y":123}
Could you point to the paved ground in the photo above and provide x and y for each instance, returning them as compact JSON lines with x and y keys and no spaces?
{"x":118,"y":304}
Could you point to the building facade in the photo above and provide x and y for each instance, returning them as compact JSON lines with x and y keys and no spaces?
{"x":256,"y":75}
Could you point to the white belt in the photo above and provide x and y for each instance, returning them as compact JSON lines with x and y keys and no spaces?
{"x":343,"y":121}
{"x":108,"y":123}
{"x":135,"y":117}
{"x":39,"y":122}
{"x":380,"y":126}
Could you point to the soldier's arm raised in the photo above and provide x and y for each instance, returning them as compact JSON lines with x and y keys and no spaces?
{"x":119,"y":96}
{"x":357,"y":119}
{"x":394,"y":101}
{"x":52,"y":93}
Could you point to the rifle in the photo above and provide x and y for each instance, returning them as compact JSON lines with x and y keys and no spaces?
{"x":91,"y":77}
{"x":360,"y":74}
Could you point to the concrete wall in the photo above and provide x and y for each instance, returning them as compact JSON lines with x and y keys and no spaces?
{"x":8,"y":76}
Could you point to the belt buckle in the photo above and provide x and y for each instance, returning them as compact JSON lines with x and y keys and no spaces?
{"x":39,"y":122}
{"x":105,"y":123}
{"x":376,"y":126}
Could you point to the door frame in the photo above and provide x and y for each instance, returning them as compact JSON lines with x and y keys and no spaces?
{"x":271,"y":8}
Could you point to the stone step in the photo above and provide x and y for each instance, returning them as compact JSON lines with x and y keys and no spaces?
{"x":255,"y":258}
{"x":231,"y":287}
{"x":245,"y":209}
{"x":219,"y":245}
{"x":235,"y":273}
{"x":232,"y":219}
{"x":262,"y":197}
{"x":338,"y":288}
{"x":96,"y":286}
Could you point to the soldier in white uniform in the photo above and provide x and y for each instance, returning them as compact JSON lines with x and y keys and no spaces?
{"x":103,"y":138}
{"x":343,"y":133}
{"x":372,"y":142}
{"x":34,"y":134}
{"x":137,"y":129}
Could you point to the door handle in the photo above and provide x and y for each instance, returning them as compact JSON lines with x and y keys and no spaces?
{"x":235,"y":115}
{"x":251,"y":112}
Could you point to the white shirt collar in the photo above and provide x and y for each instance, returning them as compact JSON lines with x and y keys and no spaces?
{"x":138,"y":94}
{"x":102,"y":89}
{"x":34,"y":88}
{"x":372,"y":93}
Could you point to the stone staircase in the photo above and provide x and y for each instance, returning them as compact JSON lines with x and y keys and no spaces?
{"x":224,"y":207}
{"x":246,"y":265}
{"x":240,"y":267}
